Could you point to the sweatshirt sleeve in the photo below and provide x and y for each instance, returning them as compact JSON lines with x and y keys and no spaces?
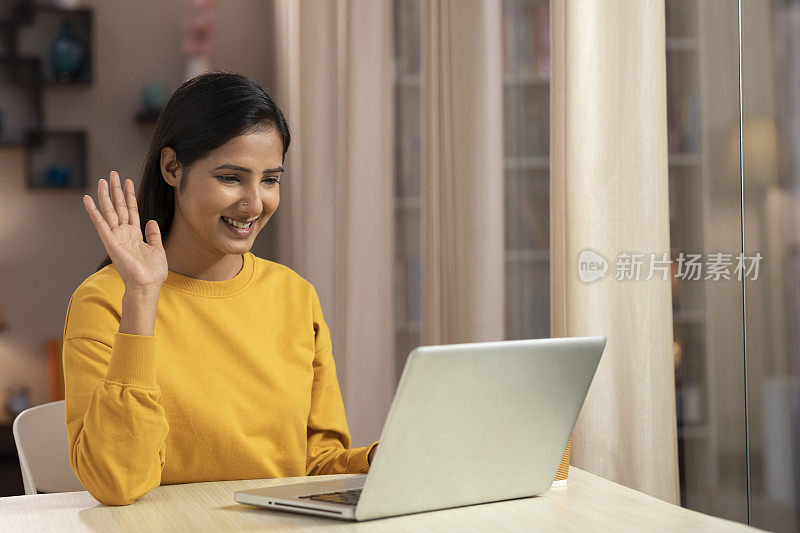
{"x":329,"y":449}
{"x":116,"y":429}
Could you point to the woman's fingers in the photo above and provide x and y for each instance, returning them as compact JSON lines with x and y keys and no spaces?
{"x":153,"y":234}
{"x":99,"y":221}
{"x":106,"y":206}
{"x":118,"y":198}
{"x":130,"y":199}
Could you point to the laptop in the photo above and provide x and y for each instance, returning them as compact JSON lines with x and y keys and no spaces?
{"x":469,"y":424}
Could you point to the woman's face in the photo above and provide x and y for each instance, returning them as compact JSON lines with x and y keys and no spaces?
{"x":246,"y":169}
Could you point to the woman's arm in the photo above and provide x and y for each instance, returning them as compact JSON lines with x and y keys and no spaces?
{"x":116,"y":428}
{"x":329,"y":449}
{"x":139,"y":313}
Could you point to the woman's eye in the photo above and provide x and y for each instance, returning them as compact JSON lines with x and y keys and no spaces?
{"x":269,"y":181}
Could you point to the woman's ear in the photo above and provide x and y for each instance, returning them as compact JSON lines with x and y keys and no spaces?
{"x":170,"y":168}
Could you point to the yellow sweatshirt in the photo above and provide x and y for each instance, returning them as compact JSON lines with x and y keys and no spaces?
{"x":238,"y":382}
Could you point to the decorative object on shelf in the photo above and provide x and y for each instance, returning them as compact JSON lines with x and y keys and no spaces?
{"x":18,"y":399}
{"x":154,"y":97}
{"x":68,"y":54}
{"x":62,"y":38}
{"x":58,"y":175}
{"x":199,"y":30}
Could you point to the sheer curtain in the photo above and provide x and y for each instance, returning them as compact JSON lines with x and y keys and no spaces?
{"x":609,"y":195}
{"x":335,"y":223}
{"x":462,"y":158}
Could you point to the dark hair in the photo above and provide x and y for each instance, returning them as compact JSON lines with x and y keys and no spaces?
{"x":204,"y":113}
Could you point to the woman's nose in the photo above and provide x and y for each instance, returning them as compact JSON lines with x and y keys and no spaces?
{"x":250,"y":206}
{"x":250,"y":201}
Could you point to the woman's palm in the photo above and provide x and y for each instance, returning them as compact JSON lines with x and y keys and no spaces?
{"x":142,"y":265}
{"x":134,"y":256}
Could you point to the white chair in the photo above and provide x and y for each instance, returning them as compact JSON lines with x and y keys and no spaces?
{"x":41,"y":437}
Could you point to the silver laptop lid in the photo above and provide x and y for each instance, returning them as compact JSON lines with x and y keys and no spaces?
{"x":479,"y":422}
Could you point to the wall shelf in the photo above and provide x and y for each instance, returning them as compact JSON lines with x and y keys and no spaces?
{"x":20,"y":100}
{"x":16,"y":11}
{"x":74,"y":28}
{"x":55,"y":159}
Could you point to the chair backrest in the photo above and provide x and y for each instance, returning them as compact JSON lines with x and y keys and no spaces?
{"x":41,"y":437}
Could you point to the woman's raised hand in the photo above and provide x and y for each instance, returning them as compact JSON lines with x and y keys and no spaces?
{"x":142,"y":266}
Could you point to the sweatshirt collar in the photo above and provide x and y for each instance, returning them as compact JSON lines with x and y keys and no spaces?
{"x":213,"y":289}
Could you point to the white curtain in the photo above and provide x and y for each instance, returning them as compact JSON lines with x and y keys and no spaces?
{"x":462,"y":188}
{"x":334,"y":63}
{"x":609,"y":193}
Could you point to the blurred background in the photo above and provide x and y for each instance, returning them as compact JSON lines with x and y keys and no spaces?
{"x":82,"y":83}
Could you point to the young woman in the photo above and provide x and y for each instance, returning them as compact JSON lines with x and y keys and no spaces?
{"x":186,"y":357}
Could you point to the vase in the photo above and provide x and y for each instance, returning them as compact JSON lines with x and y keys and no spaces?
{"x":154,"y":98}
{"x":68,"y":54}
{"x":58,"y":175}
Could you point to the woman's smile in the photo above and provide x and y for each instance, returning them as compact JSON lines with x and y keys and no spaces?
{"x":236,"y":230}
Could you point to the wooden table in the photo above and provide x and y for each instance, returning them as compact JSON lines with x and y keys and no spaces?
{"x":586,"y":503}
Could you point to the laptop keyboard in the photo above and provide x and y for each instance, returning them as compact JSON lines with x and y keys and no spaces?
{"x":345,"y":497}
